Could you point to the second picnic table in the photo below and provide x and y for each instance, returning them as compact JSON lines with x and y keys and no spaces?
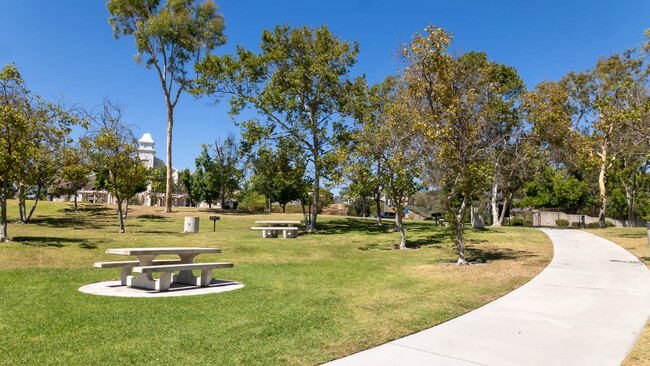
{"x":273,"y":228}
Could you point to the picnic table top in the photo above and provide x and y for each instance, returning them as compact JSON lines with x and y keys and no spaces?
{"x":278,"y":222}
{"x":159,"y":251}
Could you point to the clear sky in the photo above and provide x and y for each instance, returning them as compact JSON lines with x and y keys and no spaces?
{"x":67,"y":47}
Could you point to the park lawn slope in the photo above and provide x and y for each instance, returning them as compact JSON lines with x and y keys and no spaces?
{"x":306,"y":301}
{"x":635,"y":241}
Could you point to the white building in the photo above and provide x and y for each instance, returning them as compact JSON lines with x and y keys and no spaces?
{"x":147,"y":153}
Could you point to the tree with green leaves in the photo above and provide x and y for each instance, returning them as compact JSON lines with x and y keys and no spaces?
{"x":113,"y":151}
{"x":365,"y":166}
{"x":299,"y":83}
{"x":390,"y":137}
{"x":168,"y":38}
{"x":612,"y":100}
{"x":453,"y":96}
{"x":206,"y":182}
{"x":227,"y":159}
{"x":74,"y":171}
{"x":157,"y":178}
{"x":27,"y":126}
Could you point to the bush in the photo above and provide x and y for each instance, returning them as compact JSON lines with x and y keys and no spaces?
{"x":562,"y":223}
{"x":520,"y":222}
{"x":575,"y":224}
{"x":596,"y":225}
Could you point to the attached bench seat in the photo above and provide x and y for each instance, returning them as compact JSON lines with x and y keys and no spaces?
{"x":165,"y":280}
{"x":288,"y":232}
{"x":126,"y":266}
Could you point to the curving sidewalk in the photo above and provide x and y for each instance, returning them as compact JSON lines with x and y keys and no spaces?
{"x":587,"y":307}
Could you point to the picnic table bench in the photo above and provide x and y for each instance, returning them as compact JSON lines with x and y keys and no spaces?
{"x":272,"y":229}
{"x":146,"y":265}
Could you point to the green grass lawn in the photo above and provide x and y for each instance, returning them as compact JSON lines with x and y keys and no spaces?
{"x":306,"y":300}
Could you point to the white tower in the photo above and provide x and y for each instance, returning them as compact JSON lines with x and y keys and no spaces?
{"x":146,"y":150}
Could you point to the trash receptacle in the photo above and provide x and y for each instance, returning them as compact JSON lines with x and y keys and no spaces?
{"x":191,"y":224}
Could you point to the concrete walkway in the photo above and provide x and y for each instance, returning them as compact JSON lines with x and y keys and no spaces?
{"x":586,"y":308}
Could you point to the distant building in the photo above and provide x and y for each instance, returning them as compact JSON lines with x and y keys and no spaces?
{"x":147,"y":153}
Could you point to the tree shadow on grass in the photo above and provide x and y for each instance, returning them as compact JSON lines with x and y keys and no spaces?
{"x":66,"y":222}
{"x":154,"y":218}
{"x":633,"y":236}
{"x":436,"y":239}
{"x":484,"y":255}
{"x":347,"y":225}
{"x":162,"y":231}
{"x":48,"y":241}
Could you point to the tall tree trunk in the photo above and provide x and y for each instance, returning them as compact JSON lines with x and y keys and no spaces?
{"x":494,"y":205}
{"x":223,"y":195}
{"x":363,"y":205}
{"x":456,"y":224}
{"x":268,"y":201}
{"x":126,"y":209}
{"x":399,"y":224}
{"x":119,"y":214}
{"x":378,"y":195}
{"x":170,"y":125}
{"x":74,"y":207}
{"x":38,"y":196}
{"x":3,"y":214}
{"x":506,"y":202}
{"x":316,"y":198}
{"x":21,"y":204}
{"x":304,"y":212}
{"x":284,"y":208}
{"x":378,"y":202}
{"x":603,"y":188}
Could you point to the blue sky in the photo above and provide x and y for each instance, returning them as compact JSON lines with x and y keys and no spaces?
{"x":67,"y":47}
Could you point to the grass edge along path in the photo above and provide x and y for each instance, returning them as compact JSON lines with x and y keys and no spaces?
{"x":306,"y":301}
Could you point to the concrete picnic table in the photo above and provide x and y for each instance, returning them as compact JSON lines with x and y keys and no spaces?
{"x":146,"y":259}
{"x":273,"y":228}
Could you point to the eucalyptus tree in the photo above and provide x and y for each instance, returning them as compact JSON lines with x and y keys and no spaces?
{"x":612,"y":102}
{"x":168,"y":38}
{"x":299,"y":83}
{"x":366,"y":165}
{"x":390,"y":137}
{"x":453,"y":95}
{"x":112,"y":149}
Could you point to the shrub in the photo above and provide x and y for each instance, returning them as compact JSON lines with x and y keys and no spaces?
{"x":520,"y":222}
{"x":596,"y":224}
{"x":562,"y":222}
{"x":575,"y":224}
